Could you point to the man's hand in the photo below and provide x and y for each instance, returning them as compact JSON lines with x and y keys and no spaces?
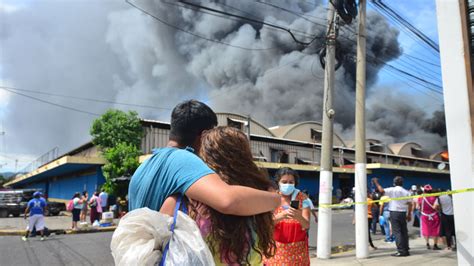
{"x":375,"y":180}
{"x":235,"y":200}
{"x":282,"y":215}
{"x":408,"y":217}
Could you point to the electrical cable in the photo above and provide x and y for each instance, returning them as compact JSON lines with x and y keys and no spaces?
{"x":296,"y":32}
{"x":50,"y":103}
{"x":251,"y":20}
{"x":87,"y":99}
{"x":407,"y":24}
{"x":192,"y":33}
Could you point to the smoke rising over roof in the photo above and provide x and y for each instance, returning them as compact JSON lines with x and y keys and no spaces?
{"x":110,"y":50}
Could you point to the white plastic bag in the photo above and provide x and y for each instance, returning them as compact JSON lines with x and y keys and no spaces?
{"x":187,"y":247}
{"x":140,"y":237}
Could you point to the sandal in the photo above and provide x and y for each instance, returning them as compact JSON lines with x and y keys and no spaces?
{"x":428,"y":246}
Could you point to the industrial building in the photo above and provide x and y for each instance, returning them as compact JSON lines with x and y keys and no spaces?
{"x":297,"y":146}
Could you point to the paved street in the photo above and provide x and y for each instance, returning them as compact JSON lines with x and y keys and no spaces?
{"x":93,"y":249}
{"x":80,"y":249}
{"x":343,"y":231}
{"x":52,"y":222}
{"x":382,"y":256}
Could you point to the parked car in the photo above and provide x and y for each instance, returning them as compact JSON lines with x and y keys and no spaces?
{"x":13,"y":202}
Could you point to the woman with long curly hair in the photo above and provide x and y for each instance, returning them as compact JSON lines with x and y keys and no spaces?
{"x":233,"y":240}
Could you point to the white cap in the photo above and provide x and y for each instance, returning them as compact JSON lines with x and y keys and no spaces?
{"x":413,"y":187}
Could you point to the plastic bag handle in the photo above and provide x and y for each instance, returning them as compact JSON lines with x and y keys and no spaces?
{"x":175,"y":215}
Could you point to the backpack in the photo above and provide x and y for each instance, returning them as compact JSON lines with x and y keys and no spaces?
{"x":70,"y":206}
{"x":93,"y":204}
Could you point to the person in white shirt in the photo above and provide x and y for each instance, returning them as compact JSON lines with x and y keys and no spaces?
{"x":400,"y":213}
{"x":103,"y":199}
{"x":447,"y":230}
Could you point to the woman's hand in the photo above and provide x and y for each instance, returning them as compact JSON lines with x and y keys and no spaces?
{"x":302,"y":216}
{"x":296,"y":214}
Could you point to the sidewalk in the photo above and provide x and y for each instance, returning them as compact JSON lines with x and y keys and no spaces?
{"x":382,"y":256}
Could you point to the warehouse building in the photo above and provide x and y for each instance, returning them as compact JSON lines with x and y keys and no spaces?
{"x":297,"y":146}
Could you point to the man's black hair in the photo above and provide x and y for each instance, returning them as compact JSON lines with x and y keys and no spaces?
{"x":398,"y":181}
{"x":189,"y":119}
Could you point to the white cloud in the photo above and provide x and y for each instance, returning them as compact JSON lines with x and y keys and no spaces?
{"x":9,"y":8}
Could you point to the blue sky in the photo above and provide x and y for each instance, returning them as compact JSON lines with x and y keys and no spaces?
{"x":421,"y":14}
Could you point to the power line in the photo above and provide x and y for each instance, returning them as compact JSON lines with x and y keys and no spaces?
{"x":251,"y":20}
{"x":50,"y":103}
{"x":192,"y":33}
{"x":391,"y":73}
{"x":298,"y":14}
{"x":401,"y":71}
{"x":296,"y":32}
{"x":407,"y":24}
{"x":422,"y":60}
{"x":87,"y":99}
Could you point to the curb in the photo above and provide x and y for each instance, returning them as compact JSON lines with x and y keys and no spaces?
{"x":351,"y":247}
{"x":61,"y":231}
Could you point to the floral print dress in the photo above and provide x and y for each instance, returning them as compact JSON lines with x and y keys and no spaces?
{"x":291,"y":240}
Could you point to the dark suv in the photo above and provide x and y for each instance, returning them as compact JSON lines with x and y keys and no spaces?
{"x":14,"y":202}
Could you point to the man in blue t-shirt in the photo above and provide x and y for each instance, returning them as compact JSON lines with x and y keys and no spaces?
{"x":36,"y":208}
{"x":176,"y":169}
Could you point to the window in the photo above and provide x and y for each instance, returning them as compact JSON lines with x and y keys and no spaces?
{"x":316,"y":135}
{"x":376,"y":147}
{"x":279,"y":156}
{"x":416,"y":152}
{"x":236,"y":123}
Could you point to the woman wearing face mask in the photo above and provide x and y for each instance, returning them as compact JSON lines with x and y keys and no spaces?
{"x":291,"y":224}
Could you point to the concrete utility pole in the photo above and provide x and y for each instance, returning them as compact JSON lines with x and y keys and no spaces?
{"x":361,"y":221}
{"x":325,"y":176}
{"x":458,"y":88}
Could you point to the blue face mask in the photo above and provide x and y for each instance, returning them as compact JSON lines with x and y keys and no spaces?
{"x":287,"y":189}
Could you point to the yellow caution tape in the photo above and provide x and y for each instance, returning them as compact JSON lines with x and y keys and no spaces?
{"x":399,"y":198}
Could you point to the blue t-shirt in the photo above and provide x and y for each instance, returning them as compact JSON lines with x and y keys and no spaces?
{"x":169,"y":171}
{"x":36,"y":206}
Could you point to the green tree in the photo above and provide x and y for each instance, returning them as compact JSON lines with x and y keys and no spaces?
{"x":118,"y":134}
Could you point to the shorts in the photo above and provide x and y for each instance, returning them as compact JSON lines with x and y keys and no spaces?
{"x":36,"y":221}
{"x":76,"y":213}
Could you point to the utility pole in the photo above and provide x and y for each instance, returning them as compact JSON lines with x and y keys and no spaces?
{"x":361,"y":221}
{"x":325,"y":175}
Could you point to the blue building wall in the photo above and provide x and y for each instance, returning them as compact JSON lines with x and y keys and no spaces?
{"x":65,"y":187}
{"x":37,"y":185}
{"x":310,"y":180}
{"x":386,"y":177}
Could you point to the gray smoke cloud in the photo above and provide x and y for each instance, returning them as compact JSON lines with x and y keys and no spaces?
{"x":109,"y":50}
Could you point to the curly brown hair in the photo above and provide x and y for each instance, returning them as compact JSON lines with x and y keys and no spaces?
{"x":227,"y":151}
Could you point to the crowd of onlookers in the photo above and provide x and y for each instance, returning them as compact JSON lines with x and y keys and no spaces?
{"x":81,"y":205}
{"x":432,"y":214}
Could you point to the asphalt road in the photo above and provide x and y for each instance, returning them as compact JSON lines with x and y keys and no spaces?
{"x":343,"y":231}
{"x":93,"y":249}
{"x":80,"y":249}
